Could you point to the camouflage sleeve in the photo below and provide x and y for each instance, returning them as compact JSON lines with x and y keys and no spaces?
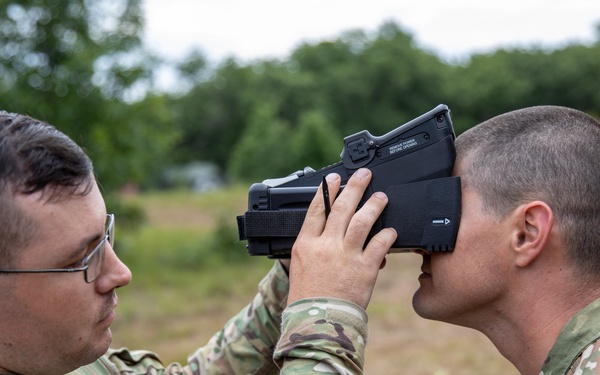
{"x":325,"y":336}
{"x":244,"y":346}
{"x":587,"y":362}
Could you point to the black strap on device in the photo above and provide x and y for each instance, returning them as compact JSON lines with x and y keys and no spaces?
{"x":425,"y":214}
{"x":270,"y":224}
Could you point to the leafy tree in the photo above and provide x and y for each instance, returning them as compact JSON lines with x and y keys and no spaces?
{"x":315,"y":142}
{"x":212,"y":115}
{"x":374,"y":81}
{"x":509,"y":79}
{"x":263,"y":148}
{"x":78,"y":64}
{"x":134,"y":151}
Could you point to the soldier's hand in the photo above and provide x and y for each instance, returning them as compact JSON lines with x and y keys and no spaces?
{"x":328,"y":259}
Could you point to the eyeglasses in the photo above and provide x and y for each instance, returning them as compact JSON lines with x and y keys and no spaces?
{"x":92,"y":264}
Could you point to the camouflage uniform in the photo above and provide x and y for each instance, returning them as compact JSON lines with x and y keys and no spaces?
{"x":577,"y":349}
{"x":324,"y":336}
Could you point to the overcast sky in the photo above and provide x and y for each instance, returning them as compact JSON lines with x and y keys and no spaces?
{"x":255,"y":29}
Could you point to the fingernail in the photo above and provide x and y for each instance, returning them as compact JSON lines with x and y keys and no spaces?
{"x":332,"y":177}
{"x":362,"y":172}
{"x":380,"y":195}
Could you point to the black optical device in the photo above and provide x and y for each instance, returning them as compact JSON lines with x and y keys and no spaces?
{"x":412,"y":164}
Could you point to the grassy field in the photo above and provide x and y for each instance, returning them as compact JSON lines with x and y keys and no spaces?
{"x":191,"y":274}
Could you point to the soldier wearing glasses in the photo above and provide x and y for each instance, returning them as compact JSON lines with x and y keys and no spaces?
{"x":59,"y":274}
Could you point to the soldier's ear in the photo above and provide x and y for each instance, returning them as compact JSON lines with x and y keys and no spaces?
{"x":531,"y":227}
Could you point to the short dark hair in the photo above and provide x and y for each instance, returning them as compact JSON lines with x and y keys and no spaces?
{"x":546,"y":153}
{"x":35,"y":157}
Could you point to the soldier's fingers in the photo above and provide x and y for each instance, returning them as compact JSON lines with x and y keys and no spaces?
{"x":379,"y":245}
{"x":315,"y":216}
{"x":361,"y":223}
{"x":344,"y":207}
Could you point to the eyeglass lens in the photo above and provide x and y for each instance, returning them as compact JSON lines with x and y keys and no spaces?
{"x":96,"y":259}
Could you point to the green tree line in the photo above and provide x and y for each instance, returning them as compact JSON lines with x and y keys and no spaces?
{"x":82,"y":66}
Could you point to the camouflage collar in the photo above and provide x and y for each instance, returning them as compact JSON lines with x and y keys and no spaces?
{"x":582,"y":330}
